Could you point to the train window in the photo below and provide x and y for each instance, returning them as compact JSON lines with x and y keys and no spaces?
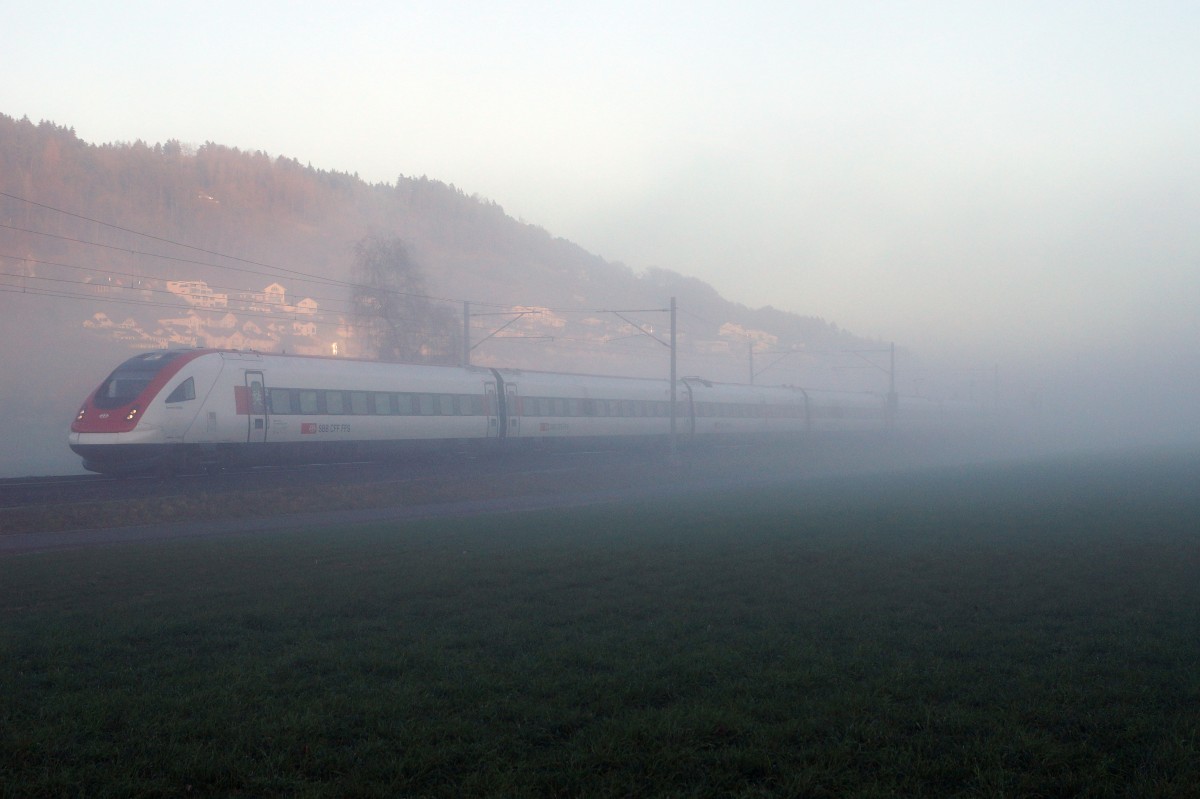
{"x":122,"y":388}
{"x":381,"y":403}
{"x":558,"y":407}
{"x":184,"y":391}
{"x":258,"y":402}
{"x":404,"y":404}
{"x":427,"y":404}
{"x":475,"y":405}
{"x":360,"y":403}
{"x":281,"y":400}
{"x":446,"y":405}
{"x":308,"y":401}
{"x":334,"y":402}
{"x":588,"y":407}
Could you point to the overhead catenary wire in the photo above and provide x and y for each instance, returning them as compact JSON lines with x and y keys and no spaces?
{"x":275,"y":270}
{"x":282,"y":316}
{"x":133,"y":275}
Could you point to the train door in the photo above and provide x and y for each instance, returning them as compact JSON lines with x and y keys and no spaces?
{"x":256,"y":390}
{"x":491,"y":407}
{"x":512,"y":410}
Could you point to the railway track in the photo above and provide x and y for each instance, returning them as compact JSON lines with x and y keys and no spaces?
{"x":68,"y":496}
{"x":83,"y":502}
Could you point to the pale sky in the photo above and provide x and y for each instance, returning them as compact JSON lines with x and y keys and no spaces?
{"x":954,"y":176}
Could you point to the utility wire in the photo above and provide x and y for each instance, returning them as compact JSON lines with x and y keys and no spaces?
{"x":275,"y":270}
{"x":97,"y":270}
{"x":274,"y":273}
{"x":280,"y":316}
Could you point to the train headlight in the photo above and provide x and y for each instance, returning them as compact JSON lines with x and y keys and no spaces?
{"x":82,"y":413}
{"x":133,"y":412}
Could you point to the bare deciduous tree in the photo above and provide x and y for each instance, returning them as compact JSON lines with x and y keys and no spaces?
{"x":394,"y":318}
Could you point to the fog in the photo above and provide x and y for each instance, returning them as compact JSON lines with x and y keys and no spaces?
{"x":1104,"y":401}
{"x":1008,"y":193}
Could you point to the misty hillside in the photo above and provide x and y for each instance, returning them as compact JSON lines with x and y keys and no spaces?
{"x":250,"y":221}
{"x":110,"y":249}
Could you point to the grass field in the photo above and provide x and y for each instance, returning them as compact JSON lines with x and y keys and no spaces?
{"x":1015,"y":630}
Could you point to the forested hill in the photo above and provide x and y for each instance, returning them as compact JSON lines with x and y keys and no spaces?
{"x":173,"y":244}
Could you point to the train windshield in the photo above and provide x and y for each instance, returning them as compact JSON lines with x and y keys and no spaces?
{"x":131,"y":378}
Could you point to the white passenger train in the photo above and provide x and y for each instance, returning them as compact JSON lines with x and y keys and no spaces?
{"x":205,"y":407}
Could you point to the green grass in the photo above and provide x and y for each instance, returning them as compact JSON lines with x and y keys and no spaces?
{"x":997,"y":631}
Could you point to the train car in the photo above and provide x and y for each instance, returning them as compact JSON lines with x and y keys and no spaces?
{"x":846,"y":412}
{"x":723,"y":409}
{"x":926,"y":415}
{"x":548,"y":406}
{"x":209,"y":408}
{"x":214,"y":407}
